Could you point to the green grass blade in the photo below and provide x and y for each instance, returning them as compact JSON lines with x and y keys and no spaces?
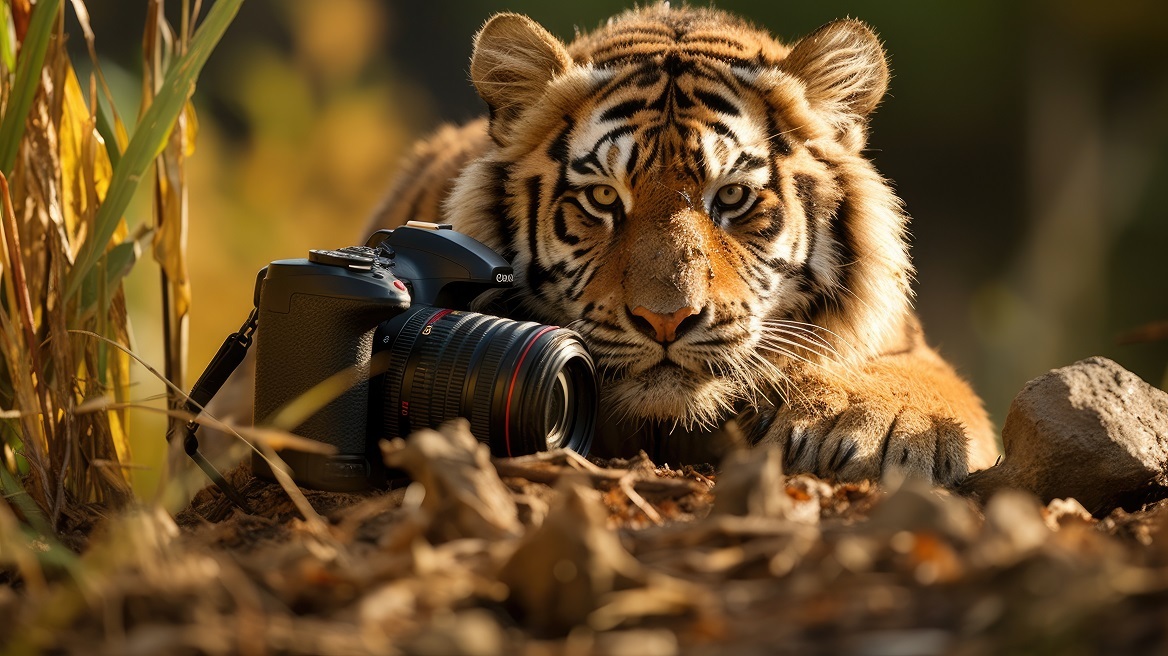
{"x":151,"y":136}
{"x":12,"y":491}
{"x":106,"y":129}
{"x":28,"y":77}
{"x":7,"y":48}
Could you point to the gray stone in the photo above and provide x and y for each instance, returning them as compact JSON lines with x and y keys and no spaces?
{"x":1093,"y":431}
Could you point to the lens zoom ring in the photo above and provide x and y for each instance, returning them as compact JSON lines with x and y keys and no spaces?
{"x":430,"y":374}
{"x":465,"y":332}
{"x":480,"y":425}
{"x":394,"y":379}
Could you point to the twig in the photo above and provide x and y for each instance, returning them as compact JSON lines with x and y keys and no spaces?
{"x":626,"y":483}
{"x":539,"y":468}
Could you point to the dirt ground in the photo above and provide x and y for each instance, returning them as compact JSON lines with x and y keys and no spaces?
{"x":554,"y":554}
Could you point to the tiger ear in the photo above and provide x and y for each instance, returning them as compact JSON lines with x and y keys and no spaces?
{"x":843,"y":67}
{"x":514,"y":59}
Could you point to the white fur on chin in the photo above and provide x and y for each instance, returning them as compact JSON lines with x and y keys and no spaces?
{"x":672,"y":394}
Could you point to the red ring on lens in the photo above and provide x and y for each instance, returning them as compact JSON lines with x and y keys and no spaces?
{"x":511,"y":388}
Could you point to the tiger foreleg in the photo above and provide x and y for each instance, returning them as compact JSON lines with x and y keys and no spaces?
{"x":907,"y":412}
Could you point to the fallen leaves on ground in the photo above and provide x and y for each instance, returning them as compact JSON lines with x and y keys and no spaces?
{"x":556,"y":554}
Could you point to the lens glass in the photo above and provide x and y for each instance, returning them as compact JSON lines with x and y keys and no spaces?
{"x":556,"y":418}
{"x":523,"y":386}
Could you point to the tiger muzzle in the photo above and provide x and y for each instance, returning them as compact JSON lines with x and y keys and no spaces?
{"x":664,"y":328}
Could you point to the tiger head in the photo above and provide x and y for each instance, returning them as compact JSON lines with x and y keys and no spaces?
{"x":690,"y":195}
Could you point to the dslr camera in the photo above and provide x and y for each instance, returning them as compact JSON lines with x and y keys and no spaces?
{"x":392,"y":319}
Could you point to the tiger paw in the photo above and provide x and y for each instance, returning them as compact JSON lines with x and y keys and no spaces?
{"x":847,"y":435}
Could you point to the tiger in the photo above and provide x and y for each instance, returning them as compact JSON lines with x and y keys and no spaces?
{"x":692,"y":197}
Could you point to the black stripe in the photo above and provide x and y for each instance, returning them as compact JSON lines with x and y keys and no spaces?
{"x":775,"y":136}
{"x":675,"y":65}
{"x":561,"y":228}
{"x":697,"y":170}
{"x":533,"y":185}
{"x":646,"y":76}
{"x":536,"y":274}
{"x":757,"y":251}
{"x":587,"y":165}
{"x":592,"y":220}
{"x":804,"y":186}
{"x":716,"y":102}
{"x":720,"y":76}
{"x":841,"y":232}
{"x":594,"y":340}
{"x":781,"y":266}
{"x":558,"y":148}
{"x":623,"y":111}
{"x":651,"y":136}
{"x":710,"y":342}
{"x":835,"y":297}
{"x":659,"y":103}
{"x":617,"y":133}
{"x":634,"y":154}
{"x":725,"y":131}
{"x":713,"y":40}
{"x":586,"y":281}
{"x":749,"y":162}
{"x":575,"y":288}
{"x":500,"y":213}
{"x":614,"y":327}
{"x":773,"y":228}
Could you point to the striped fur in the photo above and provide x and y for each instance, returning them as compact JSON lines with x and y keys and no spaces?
{"x":603,"y":174}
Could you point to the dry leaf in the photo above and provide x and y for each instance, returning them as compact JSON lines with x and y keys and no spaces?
{"x":464,"y":495}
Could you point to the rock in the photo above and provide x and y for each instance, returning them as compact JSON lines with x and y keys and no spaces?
{"x":1093,"y":431}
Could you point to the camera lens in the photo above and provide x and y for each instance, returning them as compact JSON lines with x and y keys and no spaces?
{"x":525,"y":387}
{"x":558,"y":408}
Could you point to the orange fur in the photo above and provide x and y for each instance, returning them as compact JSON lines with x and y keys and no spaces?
{"x":796,"y":327}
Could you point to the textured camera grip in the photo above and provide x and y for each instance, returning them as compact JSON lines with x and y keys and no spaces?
{"x":319,"y":337}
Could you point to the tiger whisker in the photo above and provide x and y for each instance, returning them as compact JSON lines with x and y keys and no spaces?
{"x":794,"y":339}
{"x":777,"y":381}
{"x":810,"y":328}
{"x":782,"y":384}
{"x":781,"y":350}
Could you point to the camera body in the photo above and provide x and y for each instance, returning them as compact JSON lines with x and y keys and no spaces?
{"x":382,"y":333}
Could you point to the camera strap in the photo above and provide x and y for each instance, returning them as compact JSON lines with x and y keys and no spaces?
{"x":226,"y":361}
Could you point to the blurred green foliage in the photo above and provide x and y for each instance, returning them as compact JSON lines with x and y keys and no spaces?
{"x":1028,"y":139}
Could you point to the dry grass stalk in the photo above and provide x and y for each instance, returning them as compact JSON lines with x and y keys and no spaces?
{"x":67,"y":247}
{"x":171,"y":216}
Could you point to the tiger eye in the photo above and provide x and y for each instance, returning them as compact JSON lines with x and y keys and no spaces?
{"x":731,"y":196}
{"x":603,"y":195}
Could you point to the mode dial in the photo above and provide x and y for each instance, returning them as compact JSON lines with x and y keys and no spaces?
{"x":342,"y":258}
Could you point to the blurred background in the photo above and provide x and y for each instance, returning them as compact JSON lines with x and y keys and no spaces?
{"x":1029,"y":140}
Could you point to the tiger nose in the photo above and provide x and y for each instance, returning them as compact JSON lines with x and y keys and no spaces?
{"x":664,"y":328}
